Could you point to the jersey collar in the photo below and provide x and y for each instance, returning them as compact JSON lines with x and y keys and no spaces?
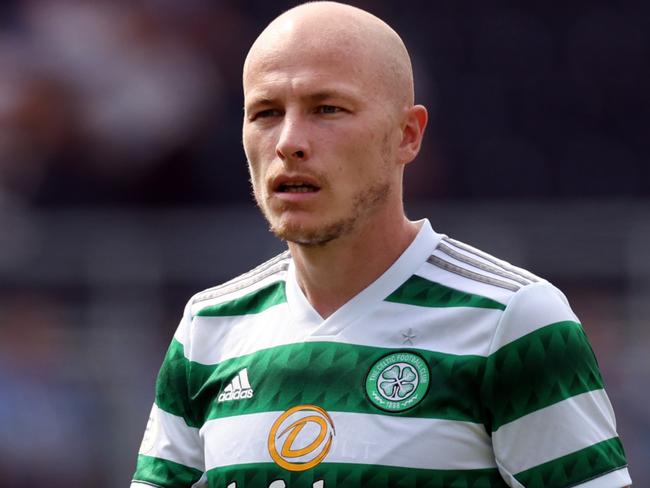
{"x":402,"y":269}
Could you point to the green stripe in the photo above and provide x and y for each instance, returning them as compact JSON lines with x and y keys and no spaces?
{"x":533,"y":372}
{"x":331,"y":375}
{"x":172,"y":394}
{"x":540,"y":369}
{"x":254,"y":302}
{"x":577,"y":467}
{"x":341,"y":475}
{"x":165,"y":474}
{"x":419,"y":291}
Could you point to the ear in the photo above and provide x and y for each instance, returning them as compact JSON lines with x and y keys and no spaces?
{"x":413,"y":125}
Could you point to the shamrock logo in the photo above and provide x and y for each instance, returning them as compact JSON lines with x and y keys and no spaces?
{"x":398,"y":381}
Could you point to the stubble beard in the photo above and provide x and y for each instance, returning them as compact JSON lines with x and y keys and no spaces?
{"x":364,"y":204}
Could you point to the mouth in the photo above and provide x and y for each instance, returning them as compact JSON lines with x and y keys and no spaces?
{"x":295,"y":184}
{"x":296,"y":187}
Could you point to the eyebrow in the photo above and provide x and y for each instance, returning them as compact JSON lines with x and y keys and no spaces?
{"x":324,"y":95}
{"x":311,"y":97}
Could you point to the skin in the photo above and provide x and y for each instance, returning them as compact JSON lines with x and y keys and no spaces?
{"x":328,"y":92}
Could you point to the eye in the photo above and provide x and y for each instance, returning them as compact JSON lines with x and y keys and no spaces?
{"x":328,"y":109}
{"x":264,"y":114}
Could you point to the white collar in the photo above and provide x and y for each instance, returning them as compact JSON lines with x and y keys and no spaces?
{"x":402,"y":269}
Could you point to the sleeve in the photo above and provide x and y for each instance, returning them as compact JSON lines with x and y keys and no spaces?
{"x":551,"y":421}
{"x":171,"y":453}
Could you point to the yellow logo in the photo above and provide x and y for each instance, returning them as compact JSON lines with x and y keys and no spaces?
{"x":304,"y":436}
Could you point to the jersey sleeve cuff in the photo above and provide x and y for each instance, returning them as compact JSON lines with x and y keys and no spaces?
{"x":615,"y":479}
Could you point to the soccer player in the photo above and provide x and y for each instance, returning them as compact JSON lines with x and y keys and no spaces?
{"x":375,"y":352}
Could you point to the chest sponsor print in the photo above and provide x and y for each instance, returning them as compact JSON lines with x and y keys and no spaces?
{"x":301,"y":437}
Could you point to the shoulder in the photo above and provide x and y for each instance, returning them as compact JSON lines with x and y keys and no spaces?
{"x":268,"y":274}
{"x":462,"y":267}
{"x":529,"y":302}
{"x":211,"y":326}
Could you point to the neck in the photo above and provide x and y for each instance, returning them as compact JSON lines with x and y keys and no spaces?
{"x":332,"y":274}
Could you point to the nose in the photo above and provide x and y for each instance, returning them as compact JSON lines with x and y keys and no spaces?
{"x":292,"y":144}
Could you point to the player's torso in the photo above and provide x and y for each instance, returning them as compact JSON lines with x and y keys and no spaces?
{"x":376,"y":405}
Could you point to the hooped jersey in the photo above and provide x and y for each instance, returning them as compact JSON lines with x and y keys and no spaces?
{"x":452,"y":369}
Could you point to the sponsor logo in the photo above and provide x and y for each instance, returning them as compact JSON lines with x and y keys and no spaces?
{"x":301,"y":437}
{"x":238,"y":389}
{"x":398,"y":381}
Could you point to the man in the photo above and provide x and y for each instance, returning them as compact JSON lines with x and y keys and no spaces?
{"x":375,"y":352}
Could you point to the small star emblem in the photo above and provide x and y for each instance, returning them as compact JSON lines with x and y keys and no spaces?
{"x":407,"y":336}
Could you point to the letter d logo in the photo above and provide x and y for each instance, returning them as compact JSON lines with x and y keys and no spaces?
{"x":289,"y":429}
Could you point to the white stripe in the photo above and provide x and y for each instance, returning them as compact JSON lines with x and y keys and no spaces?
{"x":459,"y":257}
{"x":360,"y":438}
{"x":618,"y":478}
{"x":233,"y":294}
{"x":457,"y":330}
{"x":273,"y":265}
{"x":201,"y":483}
{"x":243,"y":376}
{"x":492,"y":259}
{"x":168,"y":437}
{"x":216,"y":339}
{"x":451,"y":330}
{"x":534,"y":306}
{"x":457,"y":282}
{"x":470,"y":274}
{"x":555,"y":431}
{"x":182,"y":333}
{"x":245,"y":285}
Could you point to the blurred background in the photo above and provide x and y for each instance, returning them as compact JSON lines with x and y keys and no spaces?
{"x":123,"y":190}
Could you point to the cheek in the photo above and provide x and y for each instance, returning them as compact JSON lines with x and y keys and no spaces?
{"x":252,"y":151}
{"x":258,"y":146}
{"x":366,"y":154}
{"x":247,"y":141}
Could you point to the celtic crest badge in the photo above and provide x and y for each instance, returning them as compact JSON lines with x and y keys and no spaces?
{"x":398,"y":381}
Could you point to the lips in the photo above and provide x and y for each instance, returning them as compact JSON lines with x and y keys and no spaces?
{"x":295,"y":184}
{"x":297,"y":187}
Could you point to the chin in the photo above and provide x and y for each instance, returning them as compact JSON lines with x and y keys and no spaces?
{"x":311,"y":235}
{"x":308,"y":230}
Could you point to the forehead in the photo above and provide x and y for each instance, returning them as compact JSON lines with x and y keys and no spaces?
{"x":305,"y":81}
{"x":310,"y":89}
{"x":299,"y":62}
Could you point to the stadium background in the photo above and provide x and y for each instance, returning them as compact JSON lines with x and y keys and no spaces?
{"x":123,"y":189}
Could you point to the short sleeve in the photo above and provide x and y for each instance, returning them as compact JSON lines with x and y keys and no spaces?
{"x":551,"y":421}
{"x":171,"y":453}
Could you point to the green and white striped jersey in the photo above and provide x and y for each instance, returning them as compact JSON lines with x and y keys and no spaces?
{"x":452,"y":369}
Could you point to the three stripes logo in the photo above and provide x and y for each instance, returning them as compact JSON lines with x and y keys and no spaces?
{"x":238,"y":389}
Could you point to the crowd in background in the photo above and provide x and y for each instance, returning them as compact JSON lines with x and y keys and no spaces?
{"x":109,"y":106}
{"x":139,"y":101}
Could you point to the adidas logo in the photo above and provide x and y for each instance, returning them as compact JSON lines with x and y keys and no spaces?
{"x":238,"y":389}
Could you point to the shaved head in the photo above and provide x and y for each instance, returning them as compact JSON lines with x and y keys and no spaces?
{"x":335,"y":31}
{"x":329,"y":123}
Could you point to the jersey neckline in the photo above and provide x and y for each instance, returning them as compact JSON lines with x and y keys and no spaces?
{"x":402,"y":269}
